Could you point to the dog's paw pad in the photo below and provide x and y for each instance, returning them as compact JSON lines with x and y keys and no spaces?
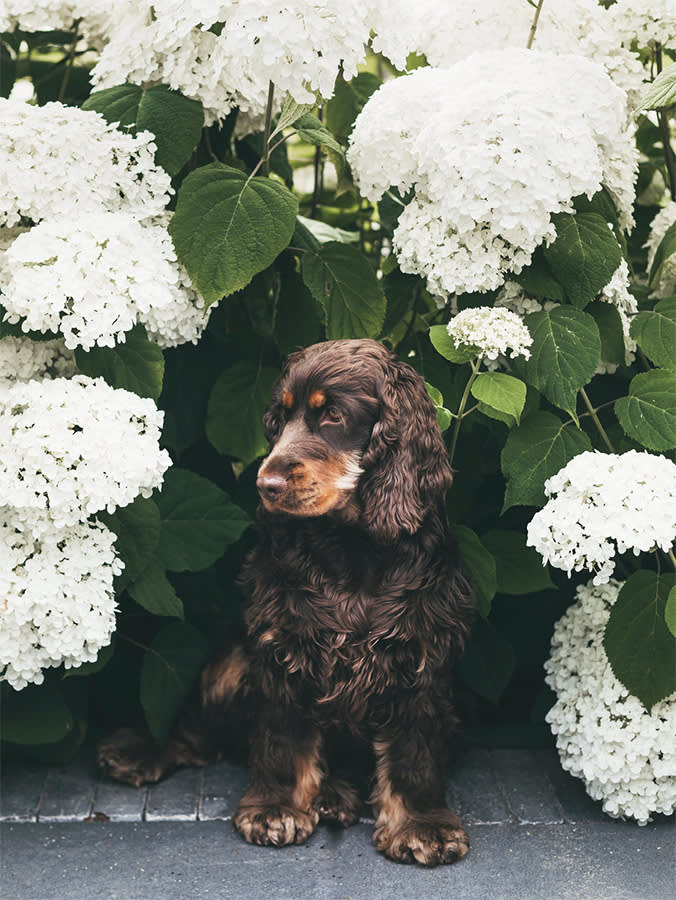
{"x":425,"y":843}
{"x":274,"y":825}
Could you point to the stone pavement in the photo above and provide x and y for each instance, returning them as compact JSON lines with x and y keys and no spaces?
{"x":66,"y":835}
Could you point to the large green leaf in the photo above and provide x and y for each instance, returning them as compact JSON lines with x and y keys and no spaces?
{"x":666,"y":248}
{"x":153,"y":591}
{"x":175,"y":120}
{"x":235,"y":411}
{"x":198,"y":521}
{"x":537,"y":279}
{"x":228,"y":227}
{"x":136,"y":365}
{"x":311,"y":130}
{"x":565,"y":351}
{"x":662,"y":91}
{"x":444,"y":344}
{"x":670,"y":611}
{"x":38,"y":714}
{"x":655,"y":332}
{"x":488,"y":661}
{"x":640,"y":648}
{"x":480,"y":565}
{"x":171,"y":665}
{"x":609,"y":324}
{"x":137,"y":527}
{"x":347,"y":102}
{"x":584,"y":255}
{"x":519,"y":568}
{"x":500,"y":393}
{"x":535,"y":451}
{"x":648,"y":414}
{"x":342,"y":280}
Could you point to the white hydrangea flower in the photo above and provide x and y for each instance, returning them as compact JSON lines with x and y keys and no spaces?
{"x":484,"y":204}
{"x":84,"y":166}
{"x":645,"y":23}
{"x":617,"y":292}
{"x":603,"y":504}
{"x":72,"y":447}
{"x":58,"y":604}
{"x":93,"y":278}
{"x":225,"y":53}
{"x":625,"y":756}
{"x":22,"y":359}
{"x":659,"y":226}
{"x":446,"y":32}
{"x":94,"y":17}
{"x":494,"y":332}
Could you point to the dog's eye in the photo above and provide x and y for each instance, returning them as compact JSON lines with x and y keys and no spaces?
{"x":331,"y":416}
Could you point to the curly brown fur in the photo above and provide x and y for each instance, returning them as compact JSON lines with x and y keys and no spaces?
{"x":357,"y":606}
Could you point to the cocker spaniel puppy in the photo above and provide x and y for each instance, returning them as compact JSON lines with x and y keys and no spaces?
{"x":357,"y":612}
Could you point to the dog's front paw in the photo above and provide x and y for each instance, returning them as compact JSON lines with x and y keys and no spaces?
{"x":274,"y":824}
{"x":338,"y":802}
{"x":130,"y":756}
{"x":423,"y":841}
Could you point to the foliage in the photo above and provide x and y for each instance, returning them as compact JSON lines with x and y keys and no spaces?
{"x":283,"y":250}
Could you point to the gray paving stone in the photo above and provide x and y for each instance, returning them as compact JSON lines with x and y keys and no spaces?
{"x":176,"y":799}
{"x":69,"y":791}
{"x":474,"y":792}
{"x":21,"y":788}
{"x":222,"y":789}
{"x":207,"y":861}
{"x":120,"y":802}
{"x":527,"y":788}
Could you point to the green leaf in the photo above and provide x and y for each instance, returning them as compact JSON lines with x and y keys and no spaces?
{"x":488,"y":662}
{"x":565,"y":351}
{"x":602,"y":203}
{"x":609,"y":324}
{"x":655,"y":332}
{"x":661,"y":92}
{"x":348,"y":101}
{"x":535,"y":451}
{"x":198,"y":521}
{"x":444,"y":344}
{"x":228,"y":227}
{"x":171,"y":665}
{"x":137,"y":527}
{"x":648,"y":414}
{"x":7,"y":70}
{"x":91,"y":668}
{"x":288,"y":114}
{"x":136,"y":365}
{"x":519,"y":568}
{"x":500,"y":392}
{"x":38,"y":714}
{"x":154,"y":592}
{"x":235,"y":412}
{"x":342,"y":280}
{"x":666,"y":248}
{"x":584,"y":255}
{"x":311,"y":130}
{"x":537,"y":279}
{"x":175,"y":120}
{"x":480,"y":565}
{"x":323,"y":232}
{"x":640,"y":648}
{"x":670,"y":611}
{"x":444,"y":417}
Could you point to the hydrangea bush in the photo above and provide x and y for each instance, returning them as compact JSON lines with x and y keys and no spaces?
{"x":189,"y":192}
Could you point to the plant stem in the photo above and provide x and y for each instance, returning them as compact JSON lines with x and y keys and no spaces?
{"x":663,"y":120}
{"x":266,"y":134}
{"x":318,"y":175}
{"x":670,"y":554}
{"x":597,"y":421}
{"x":534,"y":26}
{"x":70,"y":61}
{"x":461,"y":409}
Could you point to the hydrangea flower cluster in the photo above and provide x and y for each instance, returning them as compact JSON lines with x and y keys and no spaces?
{"x":602,"y":504}
{"x":99,"y":257}
{"x":625,"y":755}
{"x":494,"y":332}
{"x":645,"y":23}
{"x":486,"y":187}
{"x":43,"y":15}
{"x":59,"y":604}
{"x":93,"y":278}
{"x":659,"y":226}
{"x":72,"y":447}
{"x":241,"y":48}
{"x":22,"y":359}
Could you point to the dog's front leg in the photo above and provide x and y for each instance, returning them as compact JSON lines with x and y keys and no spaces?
{"x":414,"y":823}
{"x":287,"y":770}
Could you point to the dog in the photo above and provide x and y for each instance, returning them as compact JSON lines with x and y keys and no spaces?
{"x":357,"y":610}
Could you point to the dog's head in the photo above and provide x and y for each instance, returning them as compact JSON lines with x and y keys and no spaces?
{"x":353,"y":432}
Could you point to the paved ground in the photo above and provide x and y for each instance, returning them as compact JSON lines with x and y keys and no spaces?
{"x":535,"y":836}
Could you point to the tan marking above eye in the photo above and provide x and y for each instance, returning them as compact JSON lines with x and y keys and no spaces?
{"x":317,"y":399}
{"x":287,"y":399}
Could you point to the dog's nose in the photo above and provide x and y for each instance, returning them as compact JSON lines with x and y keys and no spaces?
{"x":271,"y":487}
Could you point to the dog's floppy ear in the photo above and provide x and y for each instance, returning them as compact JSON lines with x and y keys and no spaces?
{"x":406,"y":465}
